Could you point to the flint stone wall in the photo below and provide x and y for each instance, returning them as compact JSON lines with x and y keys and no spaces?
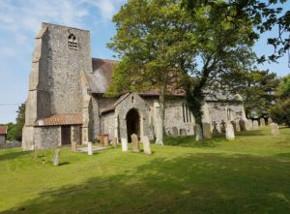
{"x":47,"y":137}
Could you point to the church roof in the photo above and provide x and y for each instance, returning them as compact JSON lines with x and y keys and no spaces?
{"x":3,"y":130}
{"x":60,"y":120}
{"x":101,"y":77}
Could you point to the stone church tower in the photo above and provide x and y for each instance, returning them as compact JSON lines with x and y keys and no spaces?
{"x":57,"y":104}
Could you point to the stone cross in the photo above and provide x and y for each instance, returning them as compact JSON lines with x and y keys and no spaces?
{"x":198,"y":132}
{"x":230,"y":133}
{"x":55,"y":159}
{"x":135,"y":143}
{"x":90,"y":148}
{"x":146,"y":145}
{"x":274,"y":129}
{"x":207,"y":131}
{"x":124,"y":143}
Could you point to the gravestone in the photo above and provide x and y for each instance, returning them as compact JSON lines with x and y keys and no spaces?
{"x":223,"y":126}
{"x":90,"y":148}
{"x":216,"y":127}
{"x":238,"y":127}
{"x":174,"y":131}
{"x":73,"y":146}
{"x":146,"y":145}
{"x":242,"y":125}
{"x":230,"y":133}
{"x":206,"y":131}
{"x":249,"y":125}
{"x":262,"y":122}
{"x":124,"y":143}
{"x":198,"y":132}
{"x":114,"y":142}
{"x":55,"y":159}
{"x":270,"y":120}
{"x":135,"y":143}
{"x":106,"y":140}
{"x":255,"y":125}
{"x":182,"y":132}
{"x":274,"y":129}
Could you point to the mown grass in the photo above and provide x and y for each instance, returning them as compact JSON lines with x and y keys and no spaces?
{"x":249,"y":175}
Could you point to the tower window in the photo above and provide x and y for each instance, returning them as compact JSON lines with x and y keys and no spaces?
{"x":72,"y":42}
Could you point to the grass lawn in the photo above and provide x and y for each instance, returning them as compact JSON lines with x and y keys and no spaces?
{"x":249,"y":175}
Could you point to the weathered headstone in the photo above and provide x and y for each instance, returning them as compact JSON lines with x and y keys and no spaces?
{"x":124,"y":143}
{"x":242,"y":125}
{"x":255,"y":125}
{"x":274,"y":129}
{"x":206,"y":131}
{"x":114,"y":142}
{"x":270,"y":120}
{"x":216,"y":128}
{"x":238,"y":127}
{"x":262,"y":122}
{"x":249,"y":125}
{"x":90,"y":148}
{"x":223,"y":126}
{"x":230,"y":133}
{"x":55,"y":159}
{"x":73,"y":146}
{"x":198,"y":132}
{"x":174,"y":131}
{"x":106,"y":140}
{"x":135,"y":143}
{"x":182,"y":132}
{"x":146,"y":145}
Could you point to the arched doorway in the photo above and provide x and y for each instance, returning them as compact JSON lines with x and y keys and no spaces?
{"x":133,"y":123}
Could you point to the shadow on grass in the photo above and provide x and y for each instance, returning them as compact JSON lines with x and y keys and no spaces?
{"x":7,"y":154}
{"x":199,"y":183}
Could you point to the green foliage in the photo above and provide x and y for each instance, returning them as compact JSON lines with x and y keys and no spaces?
{"x":257,"y":87}
{"x":14,"y":131}
{"x":280,"y":112}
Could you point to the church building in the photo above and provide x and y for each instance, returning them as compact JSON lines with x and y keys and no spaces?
{"x":66,"y":99}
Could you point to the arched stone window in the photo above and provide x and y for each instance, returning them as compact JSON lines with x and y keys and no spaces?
{"x":72,"y":42}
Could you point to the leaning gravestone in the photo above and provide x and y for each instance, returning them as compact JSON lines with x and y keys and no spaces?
{"x":135,"y":143}
{"x":198,"y":132}
{"x":206,"y":131}
{"x":90,"y":148}
{"x":274,"y":129}
{"x":146,"y":145}
{"x":55,"y":159}
{"x":124,"y":143}
{"x":255,"y":125}
{"x":230,"y":133}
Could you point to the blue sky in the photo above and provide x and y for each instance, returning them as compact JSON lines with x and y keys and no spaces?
{"x":21,"y":19}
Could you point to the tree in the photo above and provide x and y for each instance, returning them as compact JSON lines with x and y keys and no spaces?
{"x":149,"y":40}
{"x":15,"y":130}
{"x":159,"y":37}
{"x":280,"y":112}
{"x":257,"y":88}
{"x":264,"y":16}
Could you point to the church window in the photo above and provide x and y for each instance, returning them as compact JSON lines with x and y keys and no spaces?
{"x":186,"y":113}
{"x":72,"y":42}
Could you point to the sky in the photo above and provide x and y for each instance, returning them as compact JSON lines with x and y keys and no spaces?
{"x":20,"y":20}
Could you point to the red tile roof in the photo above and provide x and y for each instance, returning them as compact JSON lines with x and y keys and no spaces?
{"x":61,"y":119}
{"x":3,"y":130}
